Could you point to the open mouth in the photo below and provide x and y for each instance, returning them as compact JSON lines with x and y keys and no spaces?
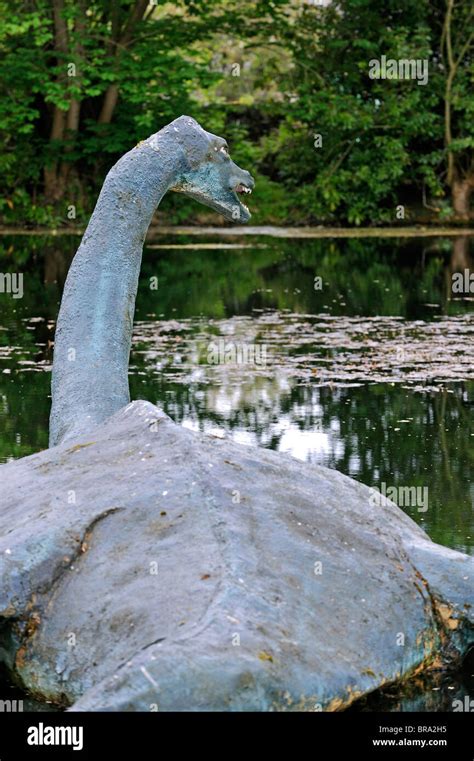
{"x":240,"y":190}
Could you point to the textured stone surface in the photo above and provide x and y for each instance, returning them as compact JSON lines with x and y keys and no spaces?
{"x":183,"y":576}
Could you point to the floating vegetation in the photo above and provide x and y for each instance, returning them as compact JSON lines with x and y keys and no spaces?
{"x":323,"y":350}
{"x":311,"y":349}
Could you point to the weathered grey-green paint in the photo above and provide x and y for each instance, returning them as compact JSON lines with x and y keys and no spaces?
{"x":94,"y":329}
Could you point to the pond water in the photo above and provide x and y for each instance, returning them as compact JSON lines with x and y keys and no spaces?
{"x":353,"y":354}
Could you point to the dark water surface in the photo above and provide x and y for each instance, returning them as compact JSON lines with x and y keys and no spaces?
{"x":351,"y":354}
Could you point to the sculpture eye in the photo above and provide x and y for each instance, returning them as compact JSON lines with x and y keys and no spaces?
{"x":225,"y":150}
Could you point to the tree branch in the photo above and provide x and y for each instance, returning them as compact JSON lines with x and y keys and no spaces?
{"x":112,"y":93}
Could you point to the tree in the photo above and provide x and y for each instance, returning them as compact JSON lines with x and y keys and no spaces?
{"x":82,"y":80}
{"x":457,"y":48}
{"x":355,"y":147}
{"x":288,"y":83}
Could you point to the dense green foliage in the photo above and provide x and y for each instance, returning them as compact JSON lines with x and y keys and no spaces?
{"x":288,"y":84}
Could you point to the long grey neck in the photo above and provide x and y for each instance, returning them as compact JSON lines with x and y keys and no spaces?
{"x":94,"y":328}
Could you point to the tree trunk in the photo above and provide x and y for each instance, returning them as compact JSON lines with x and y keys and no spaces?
{"x":461,"y":193}
{"x":72,"y":126}
{"x":118,"y":43}
{"x":108,"y":106}
{"x":56,"y":176}
{"x":50,"y":172}
{"x":66,"y":124}
{"x":460,"y":182}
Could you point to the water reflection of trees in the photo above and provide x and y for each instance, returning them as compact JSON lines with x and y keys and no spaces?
{"x":360,"y":277}
{"x":460,"y":260}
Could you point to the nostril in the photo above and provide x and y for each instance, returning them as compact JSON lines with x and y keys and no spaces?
{"x":250,"y":181}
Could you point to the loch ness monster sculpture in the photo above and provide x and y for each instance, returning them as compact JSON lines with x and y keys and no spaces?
{"x":131,"y":576}
{"x":94,"y":327}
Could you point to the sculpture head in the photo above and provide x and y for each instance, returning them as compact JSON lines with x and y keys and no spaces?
{"x":207,"y":172}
